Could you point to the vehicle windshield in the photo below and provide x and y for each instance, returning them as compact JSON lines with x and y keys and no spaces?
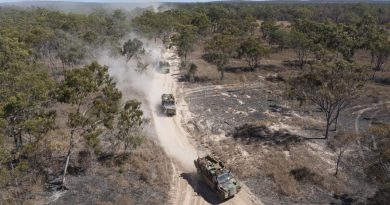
{"x":224,"y":178}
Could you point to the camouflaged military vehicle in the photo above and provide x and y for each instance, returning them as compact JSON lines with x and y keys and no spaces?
{"x":164,"y":67}
{"x":217,"y":177}
{"x":168,"y":104}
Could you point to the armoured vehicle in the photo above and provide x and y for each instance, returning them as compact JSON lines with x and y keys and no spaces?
{"x":168,"y":104}
{"x":217,"y":177}
{"x":164,"y":67}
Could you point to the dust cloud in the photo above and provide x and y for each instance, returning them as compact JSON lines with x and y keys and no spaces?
{"x":150,"y":84}
{"x":130,"y":80}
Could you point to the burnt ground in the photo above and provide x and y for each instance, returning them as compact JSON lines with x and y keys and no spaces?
{"x":222,"y":108}
{"x":262,"y":138}
{"x":139,"y":178}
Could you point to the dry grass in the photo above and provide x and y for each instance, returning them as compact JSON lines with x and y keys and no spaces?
{"x":141,"y":177}
{"x":278,"y":167}
{"x":152,"y":164}
{"x":279,"y":162}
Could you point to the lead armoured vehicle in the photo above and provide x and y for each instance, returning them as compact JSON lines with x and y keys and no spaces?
{"x":217,"y":177}
{"x":168,"y":104}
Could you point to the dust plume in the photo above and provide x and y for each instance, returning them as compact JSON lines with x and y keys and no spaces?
{"x":132,"y":82}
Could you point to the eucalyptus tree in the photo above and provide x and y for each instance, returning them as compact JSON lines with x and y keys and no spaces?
{"x":94,"y":101}
{"x":184,"y":40}
{"x":130,"y":124}
{"x":331,"y":87}
{"x":133,"y":48}
{"x":219,"y":50}
{"x":252,"y":50}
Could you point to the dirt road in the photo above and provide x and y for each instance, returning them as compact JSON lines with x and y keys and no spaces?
{"x":374,"y":108}
{"x":187,"y":188}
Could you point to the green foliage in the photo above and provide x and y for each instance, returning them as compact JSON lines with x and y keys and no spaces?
{"x":70,"y":51}
{"x":41,"y":40}
{"x":253,"y":51}
{"x":202,"y":22}
{"x":184,"y":40}
{"x":79,"y":83}
{"x":330,"y":86}
{"x":95,"y":100}
{"x":24,"y":94}
{"x":268,"y":28}
{"x":219,"y":50}
{"x":13,"y":52}
{"x":281,"y":37}
{"x":155,"y":25}
{"x":117,"y":24}
{"x":130,"y":125}
{"x":302,"y":47}
{"x":133,"y":47}
{"x":54,"y":35}
{"x":338,"y":13}
{"x":92,"y":90}
{"x":92,"y":139}
{"x":381,"y":52}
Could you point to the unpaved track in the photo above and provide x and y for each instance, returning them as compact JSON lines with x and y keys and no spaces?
{"x":187,"y":188}
{"x":372,"y":107}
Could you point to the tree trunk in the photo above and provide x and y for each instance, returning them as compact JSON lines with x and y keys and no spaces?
{"x":374,"y":144}
{"x":67,"y":159}
{"x":336,"y":119}
{"x":185,"y":59}
{"x":338,"y":162}
{"x":222,"y":73}
{"x":327,"y":129}
{"x":13,"y":173}
{"x":63,"y":65}
{"x":20,"y":139}
{"x":66,"y":166}
{"x":16,"y":142}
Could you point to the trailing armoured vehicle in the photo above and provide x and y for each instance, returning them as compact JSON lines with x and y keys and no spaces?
{"x":217,"y":177}
{"x":164,"y":67}
{"x":168,"y":104}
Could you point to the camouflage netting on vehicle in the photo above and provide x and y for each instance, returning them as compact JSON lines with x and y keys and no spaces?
{"x":217,"y":177}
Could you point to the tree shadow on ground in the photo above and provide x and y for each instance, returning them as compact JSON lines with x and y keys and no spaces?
{"x":239,"y":69}
{"x":197,"y":79}
{"x":246,"y":69}
{"x":295,"y":63}
{"x":201,"y":188}
{"x":382,"y":80}
{"x":264,"y":134}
